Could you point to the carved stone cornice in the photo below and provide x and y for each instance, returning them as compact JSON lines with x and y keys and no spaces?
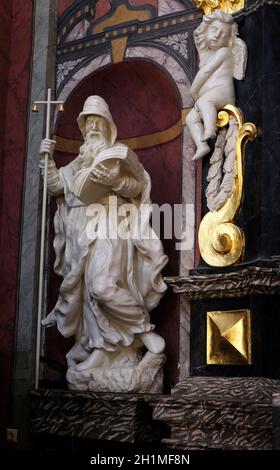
{"x":240,"y":283}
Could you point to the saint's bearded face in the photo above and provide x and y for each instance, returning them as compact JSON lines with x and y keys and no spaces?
{"x":96,"y":128}
{"x":96,"y":138}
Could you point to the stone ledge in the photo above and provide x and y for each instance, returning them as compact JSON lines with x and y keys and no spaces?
{"x":105,"y":416}
{"x":239,"y":283}
{"x":219,"y":413}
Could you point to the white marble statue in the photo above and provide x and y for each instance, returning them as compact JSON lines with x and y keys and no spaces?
{"x":109,"y":284}
{"x":222,"y":57}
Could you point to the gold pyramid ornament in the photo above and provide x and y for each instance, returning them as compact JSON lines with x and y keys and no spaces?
{"x":229,"y":337}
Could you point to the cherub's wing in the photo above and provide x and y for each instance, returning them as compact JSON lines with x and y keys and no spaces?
{"x":240,"y":58}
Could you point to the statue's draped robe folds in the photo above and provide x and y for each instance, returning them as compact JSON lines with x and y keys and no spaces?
{"x":109,"y":285}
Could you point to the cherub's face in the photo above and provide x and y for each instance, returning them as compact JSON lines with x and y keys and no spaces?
{"x":218,"y":35}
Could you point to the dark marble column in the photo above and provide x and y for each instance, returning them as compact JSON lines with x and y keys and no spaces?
{"x":258,"y":97}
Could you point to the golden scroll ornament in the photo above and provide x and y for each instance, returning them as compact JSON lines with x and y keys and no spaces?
{"x":221,"y":242}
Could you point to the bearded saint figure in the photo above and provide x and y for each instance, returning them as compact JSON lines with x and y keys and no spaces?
{"x":109,"y":285}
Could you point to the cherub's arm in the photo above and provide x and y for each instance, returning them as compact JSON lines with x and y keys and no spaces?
{"x":207,"y":70}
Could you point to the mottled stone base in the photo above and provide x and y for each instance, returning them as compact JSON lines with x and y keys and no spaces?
{"x":276,"y":421}
{"x":100,"y":416}
{"x":146,"y":377}
{"x":219,"y":413}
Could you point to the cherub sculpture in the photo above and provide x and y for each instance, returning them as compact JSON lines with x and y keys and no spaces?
{"x":222,"y":57}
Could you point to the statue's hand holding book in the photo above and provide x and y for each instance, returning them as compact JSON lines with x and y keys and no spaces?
{"x":107,"y":176}
{"x":110,"y":166}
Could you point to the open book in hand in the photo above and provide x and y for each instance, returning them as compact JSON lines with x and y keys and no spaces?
{"x":89,"y":191}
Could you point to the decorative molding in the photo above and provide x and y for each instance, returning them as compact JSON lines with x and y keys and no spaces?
{"x":118,"y":49}
{"x":156,"y":138}
{"x":135,"y":143}
{"x":151,"y":29}
{"x":137,"y":34}
{"x":121,"y":14}
{"x":240,"y":283}
{"x":64,"y":68}
{"x":89,"y":65}
{"x":178,"y":42}
{"x":243,"y":389}
{"x":72,"y":16}
{"x":132,"y":34}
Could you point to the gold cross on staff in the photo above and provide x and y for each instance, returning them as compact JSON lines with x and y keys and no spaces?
{"x":49,"y":102}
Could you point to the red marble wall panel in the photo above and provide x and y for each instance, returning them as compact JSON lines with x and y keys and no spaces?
{"x":12,"y":169}
{"x":63,"y":5}
{"x":102,"y":6}
{"x":142,"y":99}
{"x":5,"y":34}
{"x":134,"y":92}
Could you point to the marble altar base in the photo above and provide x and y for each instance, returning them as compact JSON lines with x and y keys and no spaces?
{"x":119,"y":417}
{"x":207,"y":413}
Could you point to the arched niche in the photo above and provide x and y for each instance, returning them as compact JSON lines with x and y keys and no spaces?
{"x":146,"y":107}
